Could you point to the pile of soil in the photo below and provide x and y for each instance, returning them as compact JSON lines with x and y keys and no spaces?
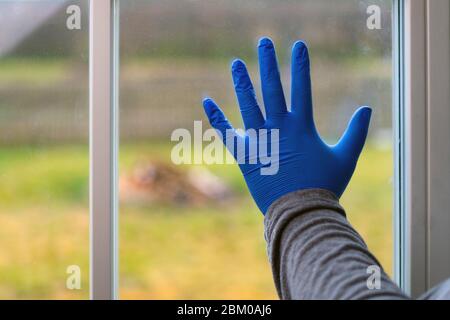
{"x":157,"y":182}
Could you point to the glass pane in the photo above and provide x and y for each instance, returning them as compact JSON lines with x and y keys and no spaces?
{"x":44,"y":159}
{"x":193,"y":231}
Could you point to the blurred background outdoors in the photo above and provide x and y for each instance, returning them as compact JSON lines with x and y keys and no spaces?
{"x":185,"y":231}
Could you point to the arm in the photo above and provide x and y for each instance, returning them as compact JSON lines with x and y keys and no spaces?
{"x":316,"y":254}
{"x":314,"y":251}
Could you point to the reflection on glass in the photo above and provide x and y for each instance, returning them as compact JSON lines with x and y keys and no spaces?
{"x":44,"y":219}
{"x":193,"y":231}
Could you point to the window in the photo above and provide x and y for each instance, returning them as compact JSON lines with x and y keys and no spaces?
{"x":192,"y":231}
{"x":177,"y":242}
{"x":44,"y":154}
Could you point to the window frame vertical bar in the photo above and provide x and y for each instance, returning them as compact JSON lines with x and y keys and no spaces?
{"x":438,"y":144}
{"x":103,"y":150}
{"x":415,"y":159}
{"x":424,"y":218}
{"x":399,"y":152}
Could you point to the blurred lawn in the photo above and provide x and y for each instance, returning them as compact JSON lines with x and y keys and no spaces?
{"x":165,"y":251}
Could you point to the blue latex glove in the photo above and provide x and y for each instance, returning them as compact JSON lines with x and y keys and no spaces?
{"x":305,"y":160}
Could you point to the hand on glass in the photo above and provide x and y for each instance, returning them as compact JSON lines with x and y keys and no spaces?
{"x":305,"y":161}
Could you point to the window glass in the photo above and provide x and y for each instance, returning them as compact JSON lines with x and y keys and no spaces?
{"x":194,"y":231}
{"x":44,"y":162}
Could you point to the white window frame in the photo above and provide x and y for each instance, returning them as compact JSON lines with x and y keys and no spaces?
{"x":103,"y":106}
{"x":422,"y":150}
{"x":422,"y":42}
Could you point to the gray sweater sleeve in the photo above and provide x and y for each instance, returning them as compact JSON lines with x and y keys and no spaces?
{"x":316,"y":254}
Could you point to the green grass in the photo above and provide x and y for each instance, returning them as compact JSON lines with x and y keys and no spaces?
{"x":26,"y":71}
{"x":42,"y":175}
{"x":166,"y":251}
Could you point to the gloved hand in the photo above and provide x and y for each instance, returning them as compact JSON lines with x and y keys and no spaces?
{"x":305,"y":160}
